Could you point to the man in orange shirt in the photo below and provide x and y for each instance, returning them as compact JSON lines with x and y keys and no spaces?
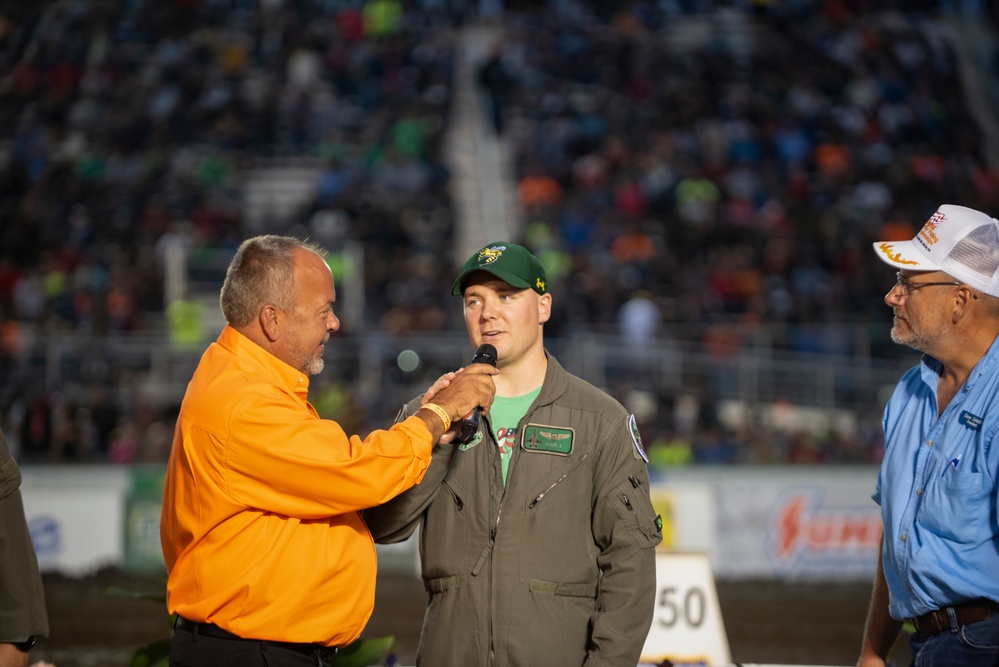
{"x":269,"y":561}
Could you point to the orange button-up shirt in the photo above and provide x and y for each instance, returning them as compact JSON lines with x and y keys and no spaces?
{"x":260,"y":526}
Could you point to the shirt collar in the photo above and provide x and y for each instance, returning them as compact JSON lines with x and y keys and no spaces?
{"x":987,"y":364}
{"x":932,"y":367}
{"x":283,"y":375}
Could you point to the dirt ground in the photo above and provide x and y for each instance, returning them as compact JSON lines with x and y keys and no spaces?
{"x":766,"y":622}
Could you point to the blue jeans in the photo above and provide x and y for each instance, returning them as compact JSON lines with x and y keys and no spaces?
{"x":973,"y":645}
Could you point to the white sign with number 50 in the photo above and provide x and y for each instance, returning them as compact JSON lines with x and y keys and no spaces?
{"x":687,"y":627}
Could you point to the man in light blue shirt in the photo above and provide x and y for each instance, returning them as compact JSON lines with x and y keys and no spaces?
{"x":939,"y":564}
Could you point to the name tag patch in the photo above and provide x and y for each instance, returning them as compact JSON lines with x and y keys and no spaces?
{"x":974,"y":422}
{"x":547,"y":439}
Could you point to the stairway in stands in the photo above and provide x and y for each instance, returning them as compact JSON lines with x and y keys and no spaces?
{"x":976,"y":44}
{"x":275,"y":189}
{"x":483,"y":188}
{"x":482,"y":185}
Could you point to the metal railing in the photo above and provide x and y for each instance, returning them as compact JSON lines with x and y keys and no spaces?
{"x":149,"y":368}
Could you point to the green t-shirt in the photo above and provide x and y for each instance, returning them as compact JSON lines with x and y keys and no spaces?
{"x":504,"y":415}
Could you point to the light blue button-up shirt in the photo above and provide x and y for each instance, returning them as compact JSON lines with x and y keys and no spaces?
{"x":937,"y":490}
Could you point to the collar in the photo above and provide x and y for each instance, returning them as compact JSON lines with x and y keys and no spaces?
{"x":932,"y":367}
{"x":283,"y":375}
{"x":555,"y":383}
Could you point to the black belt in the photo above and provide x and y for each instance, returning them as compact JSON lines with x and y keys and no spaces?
{"x":939,"y":620}
{"x":211,"y":630}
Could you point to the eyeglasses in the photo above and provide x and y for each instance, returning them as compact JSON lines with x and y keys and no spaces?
{"x":908,"y":286}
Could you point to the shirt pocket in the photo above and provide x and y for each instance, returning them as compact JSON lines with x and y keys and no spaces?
{"x":954,"y":506}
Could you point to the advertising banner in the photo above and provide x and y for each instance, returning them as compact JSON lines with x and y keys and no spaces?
{"x":75,"y":516}
{"x":815,"y":525}
{"x":769,"y":523}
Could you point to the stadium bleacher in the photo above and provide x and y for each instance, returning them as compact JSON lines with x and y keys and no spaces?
{"x":719,"y":168}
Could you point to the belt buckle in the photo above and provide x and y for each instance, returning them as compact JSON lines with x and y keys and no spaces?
{"x":938,"y":619}
{"x":928,"y":624}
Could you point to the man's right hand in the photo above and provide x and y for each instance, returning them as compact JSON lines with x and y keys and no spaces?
{"x":460,"y":392}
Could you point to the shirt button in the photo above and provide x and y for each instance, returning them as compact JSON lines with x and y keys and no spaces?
{"x":919,"y":492}
{"x":929,"y":444}
{"x":903,"y":538}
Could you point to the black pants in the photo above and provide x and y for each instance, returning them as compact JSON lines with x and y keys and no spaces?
{"x":189,"y":649}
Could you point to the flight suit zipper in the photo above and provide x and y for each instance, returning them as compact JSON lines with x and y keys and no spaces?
{"x":544,"y":493}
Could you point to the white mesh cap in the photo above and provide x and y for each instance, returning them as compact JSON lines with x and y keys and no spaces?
{"x":957,"y":240}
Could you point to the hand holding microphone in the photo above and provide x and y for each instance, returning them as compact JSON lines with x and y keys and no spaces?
{"x":461,"y":396}
{"x":486,"y":354}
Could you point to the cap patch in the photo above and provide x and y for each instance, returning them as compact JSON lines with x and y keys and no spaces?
{"x":491,"y":254}
{"x":928,"y":234}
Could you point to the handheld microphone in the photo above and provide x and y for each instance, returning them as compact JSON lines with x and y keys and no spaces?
{"x":486,"y":354}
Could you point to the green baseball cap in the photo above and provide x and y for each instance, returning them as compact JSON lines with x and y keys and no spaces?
{"x":513,"y":264}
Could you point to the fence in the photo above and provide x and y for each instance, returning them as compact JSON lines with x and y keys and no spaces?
{"x":749,"y":370}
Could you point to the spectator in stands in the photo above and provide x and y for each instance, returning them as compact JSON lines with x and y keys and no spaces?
{"x":638,"y":320}
{"x":496,"y":83}
{"x":252,"y":463}
{"x":937,"y":491}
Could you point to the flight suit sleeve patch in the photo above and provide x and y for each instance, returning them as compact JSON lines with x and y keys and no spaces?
{"x":636,"y":438}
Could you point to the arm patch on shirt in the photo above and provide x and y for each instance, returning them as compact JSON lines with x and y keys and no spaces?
{"x":636,"y":438}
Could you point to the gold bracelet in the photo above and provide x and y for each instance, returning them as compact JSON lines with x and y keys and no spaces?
{"x":440,"y":412}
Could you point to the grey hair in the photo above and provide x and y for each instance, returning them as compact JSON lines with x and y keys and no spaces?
{"x":261,"y":273}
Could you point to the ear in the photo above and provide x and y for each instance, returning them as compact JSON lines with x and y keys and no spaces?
{"x":270,"y":322}
{"x":544,"y":308}
{"x":965,"y":297}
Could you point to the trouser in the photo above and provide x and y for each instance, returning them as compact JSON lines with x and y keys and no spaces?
{"x":194,"y":649}
{"x":971,"y":645}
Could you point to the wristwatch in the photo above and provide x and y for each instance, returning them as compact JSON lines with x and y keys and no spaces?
{"x":26,"y":645}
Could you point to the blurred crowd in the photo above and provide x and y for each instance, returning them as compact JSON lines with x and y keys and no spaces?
{"x":673,"y":181}
{"x":683,"y":182}
{"x":128,"y":126}
{"x":737,"y":186}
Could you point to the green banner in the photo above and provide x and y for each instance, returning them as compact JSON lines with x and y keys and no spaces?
{"x":142,"y":520}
